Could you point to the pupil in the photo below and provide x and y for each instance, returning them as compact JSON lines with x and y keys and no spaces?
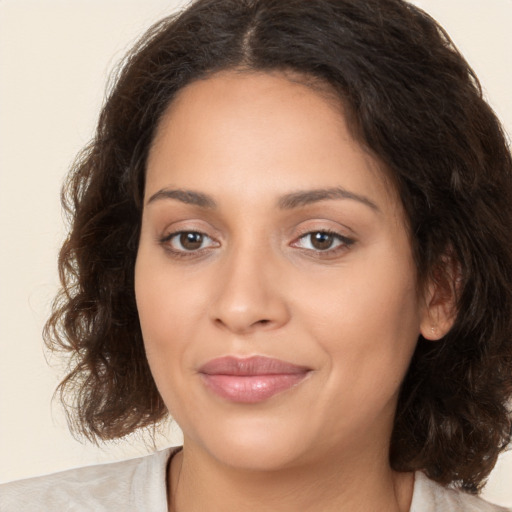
{"x":322,"y":240}
{"x":191,"y":241}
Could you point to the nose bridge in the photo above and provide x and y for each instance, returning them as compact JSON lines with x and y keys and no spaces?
{"x":249,"y":296}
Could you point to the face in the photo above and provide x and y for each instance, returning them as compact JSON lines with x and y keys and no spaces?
{"x":274,"y":280}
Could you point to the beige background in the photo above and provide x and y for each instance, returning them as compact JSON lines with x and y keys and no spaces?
{"x":55,"y":56}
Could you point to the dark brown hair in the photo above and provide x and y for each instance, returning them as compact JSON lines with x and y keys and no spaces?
{"x":413,"y":101}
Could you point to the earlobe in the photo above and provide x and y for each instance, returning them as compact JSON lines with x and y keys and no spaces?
{"x":438,"y":318}
{"x":433,"y":330}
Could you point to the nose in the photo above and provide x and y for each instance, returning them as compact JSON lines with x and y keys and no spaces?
{"x":250,"y":294}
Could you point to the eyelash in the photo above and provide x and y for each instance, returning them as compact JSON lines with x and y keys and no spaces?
{"x":344,"y":243}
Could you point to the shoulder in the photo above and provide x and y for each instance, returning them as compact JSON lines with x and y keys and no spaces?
{"x":131,"y":485}
{"x":430,"y":496}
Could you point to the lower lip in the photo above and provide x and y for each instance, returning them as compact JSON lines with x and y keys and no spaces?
{"x":251,"y":389}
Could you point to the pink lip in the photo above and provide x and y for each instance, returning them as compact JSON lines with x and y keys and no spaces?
{"x":250,"y":380}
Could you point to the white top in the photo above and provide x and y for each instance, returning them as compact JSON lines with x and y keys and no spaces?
{"x":139,"y":485}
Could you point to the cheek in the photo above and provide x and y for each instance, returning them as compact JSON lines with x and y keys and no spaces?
{"x":366,"y":318}
{"x":168,"y":301}
{"x":158,"y":309}
{"x":164,"y":337}
{"x":172,"y":306}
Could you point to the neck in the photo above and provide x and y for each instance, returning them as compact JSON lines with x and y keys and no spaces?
{"x":198,"y":482}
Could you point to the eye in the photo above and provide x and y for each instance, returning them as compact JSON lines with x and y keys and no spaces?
{"x":322,"y":241}
{"x":187,"y":241}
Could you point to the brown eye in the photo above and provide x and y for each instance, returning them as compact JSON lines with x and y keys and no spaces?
{"x":321,"y":240}
{"x":191,"y":241}
{"x":187,"y":242}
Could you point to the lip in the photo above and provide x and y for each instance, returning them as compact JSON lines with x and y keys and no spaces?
{"x":251,"y":379}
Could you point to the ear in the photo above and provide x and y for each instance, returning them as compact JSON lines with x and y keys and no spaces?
{"x":440,"y":299}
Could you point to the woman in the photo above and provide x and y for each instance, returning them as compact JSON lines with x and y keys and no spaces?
{"x":291,"y":233}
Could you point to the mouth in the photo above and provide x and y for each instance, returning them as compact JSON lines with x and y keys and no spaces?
{"x":250,"y":380}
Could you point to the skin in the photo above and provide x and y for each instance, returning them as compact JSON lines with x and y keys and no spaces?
{"x":258,"y":285}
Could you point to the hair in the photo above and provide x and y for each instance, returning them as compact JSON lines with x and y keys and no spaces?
{"x":412,"y":100}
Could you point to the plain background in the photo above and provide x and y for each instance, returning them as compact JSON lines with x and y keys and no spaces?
{"x":55,"y":57}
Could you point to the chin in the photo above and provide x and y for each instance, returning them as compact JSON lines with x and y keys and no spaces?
{"x":254,"y":446}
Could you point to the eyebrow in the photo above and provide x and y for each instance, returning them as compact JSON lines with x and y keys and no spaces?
{"x":184,"y":196}
{"x":286,"y":202}
{"x":303,"y":198}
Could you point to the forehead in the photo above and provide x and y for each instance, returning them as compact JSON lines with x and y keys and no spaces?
{"x":239,"y":94}
{"x":260,"y":128}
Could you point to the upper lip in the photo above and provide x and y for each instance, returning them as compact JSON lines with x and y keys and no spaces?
{"x":246,"y":366}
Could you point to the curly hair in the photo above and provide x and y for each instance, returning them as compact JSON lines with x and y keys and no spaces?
{"x":414,"y":102}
